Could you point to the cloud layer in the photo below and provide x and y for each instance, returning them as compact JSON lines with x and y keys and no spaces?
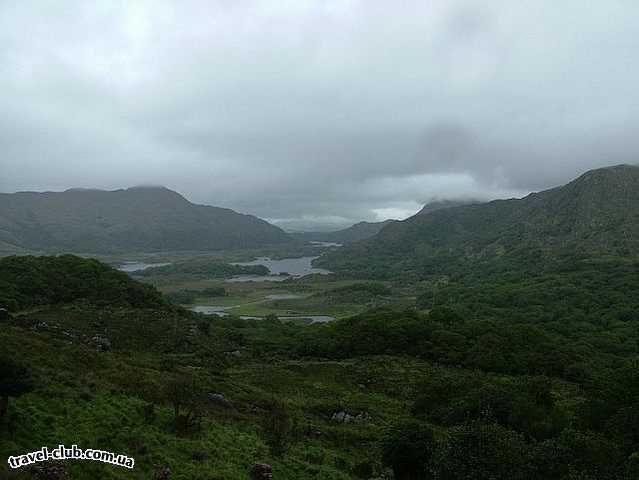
{"x":316,"y":112}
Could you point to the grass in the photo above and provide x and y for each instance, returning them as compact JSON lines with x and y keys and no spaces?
{"x":94,"y":399}
{"x":250,"y":298}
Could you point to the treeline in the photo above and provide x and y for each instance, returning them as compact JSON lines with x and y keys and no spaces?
{"x":187,"y":296}
{"x":556,"y":323}
{"x":446,"y":338}
{"x":518,"y":428}
{"x":205,"y":267}
{"x":502,"y":401}
{"x":574,"y":289}
{"x":29,"y":281}
{"x":356,"y":293}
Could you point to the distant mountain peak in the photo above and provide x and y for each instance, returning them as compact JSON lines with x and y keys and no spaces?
{"x":609,"y":172}
{"x":435,"y":205}
{"x":594,"y":216}
{"x":142,"y":218}
{"x":150,"y":187}
{"x":355,"y":233}
{"x":82,"y":189}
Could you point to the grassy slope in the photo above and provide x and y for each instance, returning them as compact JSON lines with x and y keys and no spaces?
{"x":95,"y":399}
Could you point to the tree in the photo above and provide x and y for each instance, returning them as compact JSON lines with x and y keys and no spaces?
{"x":480,"y":451}
{"x":278,"y":428}
{"x":632,"y":466}
{"x":15,"y":380}
{"x":408,"y":449}
{"x":579,"y":454}
{"x":187,"y":400}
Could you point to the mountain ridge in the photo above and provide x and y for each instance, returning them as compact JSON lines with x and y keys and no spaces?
{"x":146,"y":218}
{"x":592,"y":216}
{"x":356,"y":232}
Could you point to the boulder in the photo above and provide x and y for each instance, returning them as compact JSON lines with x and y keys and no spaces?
{"x":162,"y":474}
{"x":261,"y":471}
{"x":221,"y":400}
{"x":362,"y":417}
{"x":41,"y":326}
{"x":102,"y":343}
{"x":345,"y":417}
{"x":51,"y":472}
{"x":342,"y":417}
{"x":313,"y":432}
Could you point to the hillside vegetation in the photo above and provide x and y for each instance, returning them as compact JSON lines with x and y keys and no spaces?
{"x":354,"y":233}
{"x":28,"y":281}
{"x":204,"y":267}
{"x":593,"y":216}
{"x":141,"y":219}
{"x":516,"y":378}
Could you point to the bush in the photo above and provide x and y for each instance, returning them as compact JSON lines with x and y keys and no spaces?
{"x":277,"y":427}
{"x":407,"y":448}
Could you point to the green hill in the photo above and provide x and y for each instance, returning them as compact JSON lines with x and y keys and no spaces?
{"x":27,"y":281}
{"x":135,"y":219}
{"x":354,"y":233}
{"x":592,"y":216}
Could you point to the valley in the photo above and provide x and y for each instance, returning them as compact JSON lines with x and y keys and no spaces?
{"x":323,"y":374}
{"x":319,"y":240}
{"x":322,"y":360}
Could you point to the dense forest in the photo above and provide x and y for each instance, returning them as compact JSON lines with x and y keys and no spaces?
{"x":207,"y":268}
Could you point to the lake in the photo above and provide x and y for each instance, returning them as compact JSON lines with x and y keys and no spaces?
{"x":317,"y":243}
{"x":222,"y":312}
{"x":138,"y":266}
{"x":210,"y":309}
{"x":280,"y":269}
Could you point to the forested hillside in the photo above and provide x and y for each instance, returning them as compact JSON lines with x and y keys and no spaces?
{"x":593,"y":216}
{"x":136,"y":219}
{"x":509,"y":377}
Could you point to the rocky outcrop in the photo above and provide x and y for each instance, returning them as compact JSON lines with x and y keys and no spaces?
{"x":261,"y":471}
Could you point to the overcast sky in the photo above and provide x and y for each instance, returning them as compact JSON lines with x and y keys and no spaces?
{"x":317,"y":112}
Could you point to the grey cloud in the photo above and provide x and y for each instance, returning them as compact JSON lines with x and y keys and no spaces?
{"x":336,"y":111}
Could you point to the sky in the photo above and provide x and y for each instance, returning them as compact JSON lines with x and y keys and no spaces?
{"x":317,"y":114}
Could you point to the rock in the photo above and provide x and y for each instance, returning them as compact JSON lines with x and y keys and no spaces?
{"x":41,"y":326}
{"x":338,"y":417}
{"x":4,"y":314}
{"x":221,"y":400}
{"x":234,"y":353}
{"x":342,"y":417}
{"x":313,"y":432}
{"x":162,"y":474}
{"x":51,"y":472}
{"x":362,"y":417}
{"x":70,"y":335}
{"x":257,"y":409}
{"x":345,"y":417}
{"x":261,"y":471}
{"x":102,"y":343}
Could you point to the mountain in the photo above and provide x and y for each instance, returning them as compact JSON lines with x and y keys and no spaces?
{"x":594,"y":216}
{"x":354,"y":233}
{"x":28,"y":281}
{"x":363,"y":230}
{"x":441,"y":204}
{"x":135,"y":219}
